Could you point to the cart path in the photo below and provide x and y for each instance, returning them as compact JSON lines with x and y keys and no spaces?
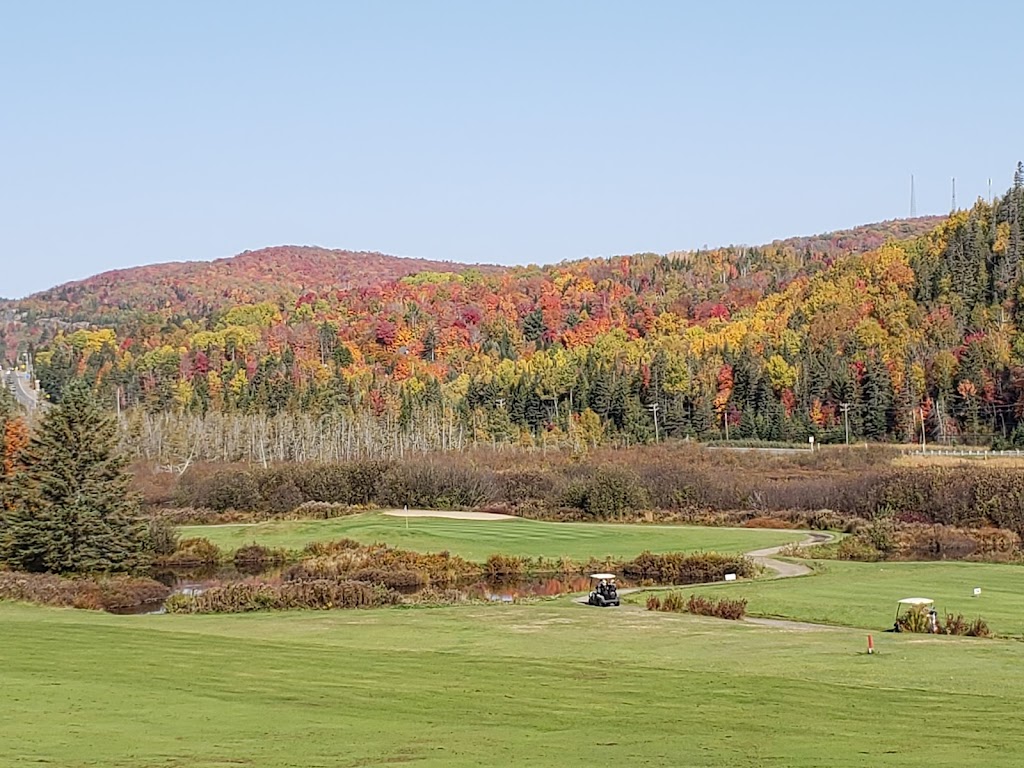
{"x":762,"y":557}
{"x":784,"y":570}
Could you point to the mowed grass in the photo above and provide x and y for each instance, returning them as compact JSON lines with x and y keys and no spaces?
{"x":865,"y":594}
{"x":554,"y":684}
{"x":476,"y":539}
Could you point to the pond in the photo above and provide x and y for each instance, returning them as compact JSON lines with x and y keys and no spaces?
{"x":186,"y":581}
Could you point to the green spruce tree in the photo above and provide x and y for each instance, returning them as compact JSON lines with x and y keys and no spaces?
{"x":71,"y":508}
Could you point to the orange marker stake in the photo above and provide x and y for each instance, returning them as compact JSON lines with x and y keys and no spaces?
{"x":871,"y":645}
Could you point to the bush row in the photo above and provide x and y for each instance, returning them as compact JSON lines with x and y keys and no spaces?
{"x":113,"y":593}
{"x":819,"y":490}
{"x":888,"y":539}
{"x":917,"y":620}
{"x":681,"y":568}
{"x":245,"y":596}
{"x":722,"y":608}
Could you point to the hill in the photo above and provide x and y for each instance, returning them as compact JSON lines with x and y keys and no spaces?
{"x":197,"y":288}
{"x":901,"y":320}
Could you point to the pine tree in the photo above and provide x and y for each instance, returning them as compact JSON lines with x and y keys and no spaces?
{"x":71,"y":508}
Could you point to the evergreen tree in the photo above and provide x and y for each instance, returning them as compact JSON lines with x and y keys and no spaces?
{"x":71,"y":508}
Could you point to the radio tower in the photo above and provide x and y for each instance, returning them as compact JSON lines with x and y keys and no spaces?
{"x":913,"y":200}
{"x":954,"y":195}
{"x":990,"y":191}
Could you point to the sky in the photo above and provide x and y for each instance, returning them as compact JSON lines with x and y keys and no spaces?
{"x":518,"y":132}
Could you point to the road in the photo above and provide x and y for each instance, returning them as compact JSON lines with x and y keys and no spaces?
{"x":20,"y":386}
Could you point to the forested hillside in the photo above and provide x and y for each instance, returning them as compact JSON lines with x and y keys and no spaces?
{"x":901,"y":321}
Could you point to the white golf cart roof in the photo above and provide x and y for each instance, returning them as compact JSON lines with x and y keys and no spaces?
{"x":602,"y":575}
{"x":916,"y":601}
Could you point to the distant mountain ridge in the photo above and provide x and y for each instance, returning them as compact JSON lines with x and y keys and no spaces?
{"x":199,"y":287}
{"x":196,"y":288}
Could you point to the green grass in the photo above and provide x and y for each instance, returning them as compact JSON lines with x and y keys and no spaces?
{"x":475,"y":539}
{"x":554,"y":684}
{"x":865,"y":594}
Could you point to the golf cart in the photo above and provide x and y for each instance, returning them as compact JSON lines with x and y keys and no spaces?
{"x":603,"y":593}
{"x":909,"y":604}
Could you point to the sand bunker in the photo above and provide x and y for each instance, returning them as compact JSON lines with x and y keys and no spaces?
{"x":446,"y":513}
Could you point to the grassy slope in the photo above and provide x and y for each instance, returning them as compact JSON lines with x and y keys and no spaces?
{"x":494,"y":685}
{"x":475,"y":539}
{"x":865,"y":594}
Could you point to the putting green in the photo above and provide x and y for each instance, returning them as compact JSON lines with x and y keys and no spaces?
{"x":554,"y":684}
{"x":476,"y":539}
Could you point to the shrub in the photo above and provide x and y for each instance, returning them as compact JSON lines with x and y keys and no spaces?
{"x":397,"y":579}
{"x":608,"y":492}
{"x":856,"y":548}
{"x":346,"y":558}
{"x":682,"y":568}
{"x":112,"y":593}
{"x":258,"y":555}
{"x":723,"y":608}
{"x":195,"y":551}
{"x":243,"y":597}
{"x":324,"y":483}
{"x":978,"y":628}
{"x":503,"y":568}
{"x":223,"y":490}
{"x":673,"y":602}
{"x":955,"y":625}
{"x":914,"y":620}
{"x":653,"y":603}
{"x":328,"y":548}
{"x":436,"y":485}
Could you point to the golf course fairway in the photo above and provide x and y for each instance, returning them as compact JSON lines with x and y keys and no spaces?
{"x":476,"y":539}
{"x":865,"y":594}
{"x":550,"y":684}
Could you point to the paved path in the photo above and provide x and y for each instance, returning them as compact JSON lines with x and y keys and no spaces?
{"x":783,"y":570}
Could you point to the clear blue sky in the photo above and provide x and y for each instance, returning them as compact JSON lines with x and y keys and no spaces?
{"x":514,"y":132}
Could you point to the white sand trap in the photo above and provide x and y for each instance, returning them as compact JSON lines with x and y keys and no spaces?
{"x":446,"y":513}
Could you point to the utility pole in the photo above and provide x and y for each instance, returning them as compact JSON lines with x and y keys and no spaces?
{"x":653,"y":408}
{"x":845,"y":408}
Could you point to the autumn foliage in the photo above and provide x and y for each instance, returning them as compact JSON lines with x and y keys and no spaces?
{"x":913,"y":325}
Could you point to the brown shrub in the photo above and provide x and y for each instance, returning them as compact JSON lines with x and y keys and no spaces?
{"x":329,"y":548}
{"x":503,"y":568}
{"x":244,"y":596}
{"x":673,"y":602}
{"x":194,"y":551}
{"x":682,"y":568}
{"x":723,"y":608}
{"x":258,"y":555}
{"x":93,"y":593}
{"x":398,"y":579}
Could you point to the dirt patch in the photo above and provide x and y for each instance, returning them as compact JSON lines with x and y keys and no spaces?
{"x":450,"y":514}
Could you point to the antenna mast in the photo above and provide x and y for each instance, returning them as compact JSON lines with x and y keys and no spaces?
{"x":913,"y":199}
{"x":954,"y":195}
